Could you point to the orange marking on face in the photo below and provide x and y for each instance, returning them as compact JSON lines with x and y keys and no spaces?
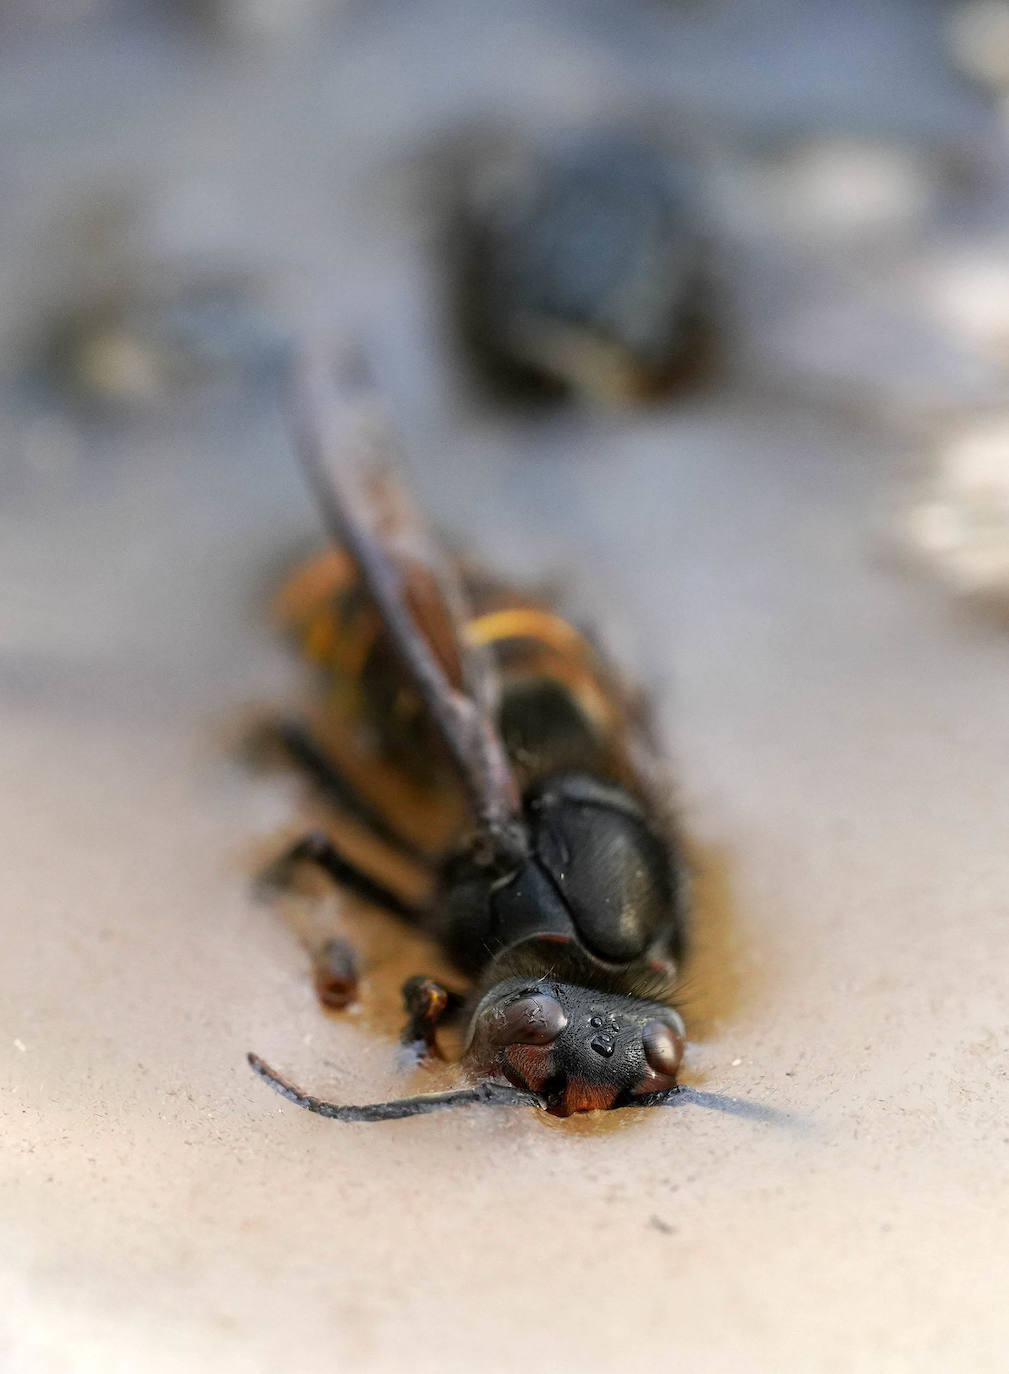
{"x":581,"y":1095}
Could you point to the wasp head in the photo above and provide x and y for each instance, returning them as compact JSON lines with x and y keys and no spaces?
{"x":576,"y":1048}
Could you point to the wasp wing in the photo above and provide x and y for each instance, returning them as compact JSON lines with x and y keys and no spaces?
{"x":347,"y":448}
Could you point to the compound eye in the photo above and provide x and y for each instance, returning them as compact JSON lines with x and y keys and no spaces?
{"x":663,"y":1048}
{"x":535,"y":1020}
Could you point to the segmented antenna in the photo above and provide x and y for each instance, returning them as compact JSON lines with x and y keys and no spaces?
{"x":484,"y":1094}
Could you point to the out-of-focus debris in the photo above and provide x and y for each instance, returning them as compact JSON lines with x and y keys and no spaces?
{"x":141,"y":297}
{"x":145,"y":340}
{"x":582,"y":266}
{"x":968,"y":290}
{"x":959,"y":524}
{"x":979,"y":36}
{"x":833,"y":188}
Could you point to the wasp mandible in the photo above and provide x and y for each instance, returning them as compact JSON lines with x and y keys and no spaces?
{"x":563,"y":897}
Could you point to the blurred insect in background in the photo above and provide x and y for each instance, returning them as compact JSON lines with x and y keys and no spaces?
{"x":563,"y":896}
{"x":150,"y":339}
{"x":132,"y":322}
{"x":585,"y":267}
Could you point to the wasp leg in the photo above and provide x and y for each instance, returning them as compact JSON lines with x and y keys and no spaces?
{"x":428,"y":1005}
{"x":336,"y":972}
{"x":319,"y":850}
{"x":309,"y":755}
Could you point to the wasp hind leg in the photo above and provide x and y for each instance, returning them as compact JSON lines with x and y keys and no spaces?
{"x":318,"y":849}
{"x":428,"y":1005}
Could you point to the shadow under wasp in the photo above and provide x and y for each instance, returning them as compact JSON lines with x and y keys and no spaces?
{"x":563,"y":897}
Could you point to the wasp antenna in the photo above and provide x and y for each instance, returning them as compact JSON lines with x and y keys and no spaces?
{"x":740,"y":1106}
{"x":720,"y":1102}
{"x":489,"y":1094}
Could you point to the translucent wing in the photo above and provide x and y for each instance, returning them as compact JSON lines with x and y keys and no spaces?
{"x":347,"y":448}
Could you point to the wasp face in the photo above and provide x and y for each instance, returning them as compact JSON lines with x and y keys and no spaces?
{"x":578,"y":1049}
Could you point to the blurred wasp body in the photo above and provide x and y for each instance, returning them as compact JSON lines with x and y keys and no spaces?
{"x":562,"y":899}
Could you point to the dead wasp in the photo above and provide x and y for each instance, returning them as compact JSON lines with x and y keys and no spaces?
{"x":563,"y":899}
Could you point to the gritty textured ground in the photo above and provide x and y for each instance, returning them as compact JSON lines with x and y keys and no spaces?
{"x":839,"y":731}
